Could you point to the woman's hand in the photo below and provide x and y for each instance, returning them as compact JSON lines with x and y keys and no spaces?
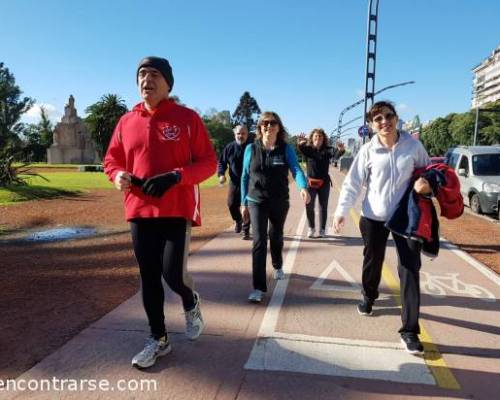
{"x":422,"y":186}
{"x":306,"y":197}
{"x":301,"y":138}
{"x":338,"y":222}
{"x":244,"y":213}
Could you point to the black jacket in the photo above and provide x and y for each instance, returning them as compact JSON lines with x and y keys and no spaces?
{"x":232,"y":155}
{"x":318,"y":161}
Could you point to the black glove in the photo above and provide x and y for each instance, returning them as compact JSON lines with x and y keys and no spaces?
{"x":136,"y":181}
{"x":157,"y":185}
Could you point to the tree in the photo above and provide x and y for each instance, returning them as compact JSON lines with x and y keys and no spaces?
{"x":489,"y":124}
{"x":462,"y":128}
{"x":102,"y":118}
{"x":245,"y":112}
{"x":218,"y":124}
{"x":46,"y":129}
{"x":436,"y":136}
{"x":37,"y":139}
{"x":12,"y":106}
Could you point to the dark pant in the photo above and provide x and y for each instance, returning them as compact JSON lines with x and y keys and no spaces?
{"x":161,"y":247}
{"x":261,"y":214}
{"x":375,"y":236}
{"x":323,"y":193}
{"x":234,"y":203}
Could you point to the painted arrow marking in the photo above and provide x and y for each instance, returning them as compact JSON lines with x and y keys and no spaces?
{"x":335,"y":266}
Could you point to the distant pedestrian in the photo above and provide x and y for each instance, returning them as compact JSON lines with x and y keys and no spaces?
{"x":318,"y":156}
{"x":158,"y":154}
{"x":232,"y":156}
{"x":265,"y":196}
{"x":385,"y":165}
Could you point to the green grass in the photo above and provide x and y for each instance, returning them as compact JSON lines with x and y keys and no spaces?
{"x":45,"y":165}
{"x":63,"y":184}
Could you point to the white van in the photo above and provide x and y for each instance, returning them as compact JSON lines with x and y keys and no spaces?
{"x":478,"y":169}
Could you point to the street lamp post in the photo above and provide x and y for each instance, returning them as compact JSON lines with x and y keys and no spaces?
{"x":371,"y":56}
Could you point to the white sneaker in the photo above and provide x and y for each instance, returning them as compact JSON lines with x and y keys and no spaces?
{"x":256,"y":296}
{"x":194,"y":320}
{"x":278,"y":274}
{"x":152,"y":350}
{"x":311,"y":233}
{"x":322,"y":233}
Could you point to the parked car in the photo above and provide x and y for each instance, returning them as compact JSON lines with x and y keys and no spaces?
{"x":478,"y":169}
{"x":436,"y":160}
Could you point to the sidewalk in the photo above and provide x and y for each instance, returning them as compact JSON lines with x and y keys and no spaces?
{"x":306,"y":340}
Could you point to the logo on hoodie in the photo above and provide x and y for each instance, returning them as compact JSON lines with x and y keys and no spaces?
{"x":171,"y":132}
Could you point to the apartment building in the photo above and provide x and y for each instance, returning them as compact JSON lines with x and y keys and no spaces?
{"x":486,"y":83}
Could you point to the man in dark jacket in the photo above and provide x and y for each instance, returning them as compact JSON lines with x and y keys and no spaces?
{"x":232,"y":156}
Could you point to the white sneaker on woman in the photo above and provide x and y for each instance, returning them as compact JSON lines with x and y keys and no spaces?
{"x":256,"y":296}
{"x":311,"y":232}
{"x":152,"y":350}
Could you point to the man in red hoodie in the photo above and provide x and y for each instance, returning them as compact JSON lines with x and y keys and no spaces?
{"x":158,"y":154}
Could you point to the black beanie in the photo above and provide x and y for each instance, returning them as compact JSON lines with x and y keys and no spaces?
{"x":161,"y":64}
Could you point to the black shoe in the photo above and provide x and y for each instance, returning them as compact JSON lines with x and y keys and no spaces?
{"x":365,"y":308}
{"x":246,"y":235}
{"x":237,"y":227}
{"x":412,"y":343}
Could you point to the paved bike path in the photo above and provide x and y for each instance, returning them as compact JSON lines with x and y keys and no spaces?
{"x":306,"y":339}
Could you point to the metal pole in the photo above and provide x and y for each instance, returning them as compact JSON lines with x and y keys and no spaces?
{"x":371,"y":54}
{"x":475,"y":125}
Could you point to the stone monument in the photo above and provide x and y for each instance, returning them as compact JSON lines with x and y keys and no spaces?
{"x":72,"y":142}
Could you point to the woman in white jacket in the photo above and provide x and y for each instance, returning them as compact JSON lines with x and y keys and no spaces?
{"x":385,"y":165}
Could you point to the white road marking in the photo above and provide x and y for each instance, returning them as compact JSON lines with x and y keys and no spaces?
{"x":472,"y":261}
{"x":268,"y":325}
{"x":386,"y":364}
{"x":335,"y":266}
{"x":438,"y":285}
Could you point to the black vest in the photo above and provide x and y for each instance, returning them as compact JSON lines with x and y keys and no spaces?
{"x":268,"y":173}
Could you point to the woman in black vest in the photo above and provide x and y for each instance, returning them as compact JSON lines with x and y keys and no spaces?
{"x":265,"y":196}
{"x":318,"y":155}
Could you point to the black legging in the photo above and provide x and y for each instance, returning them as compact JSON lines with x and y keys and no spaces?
{"x":262,"y":215}
{"x":323,"y":193}
{"x":375,"y":236}
{"x":161,"y":247}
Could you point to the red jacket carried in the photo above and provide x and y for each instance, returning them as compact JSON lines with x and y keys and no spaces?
{"x":448,"y":195}
{"x":416,"y":218}
{"x":145,"y":144}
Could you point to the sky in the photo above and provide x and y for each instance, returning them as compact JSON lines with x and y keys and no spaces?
{"x":305,"y":60}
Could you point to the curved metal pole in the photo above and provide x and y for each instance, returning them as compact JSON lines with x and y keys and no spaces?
{"x":341,"y":115}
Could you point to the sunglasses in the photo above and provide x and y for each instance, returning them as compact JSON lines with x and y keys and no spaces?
{"x":267,"y":123}
{"x":379,"y":118}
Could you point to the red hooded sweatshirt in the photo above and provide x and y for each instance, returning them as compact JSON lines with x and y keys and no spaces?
{"x":146,"y":144}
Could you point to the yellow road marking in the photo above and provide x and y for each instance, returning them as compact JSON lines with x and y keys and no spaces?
{"x":432,"y":357}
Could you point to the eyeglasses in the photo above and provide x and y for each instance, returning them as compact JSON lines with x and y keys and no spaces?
{"x":267,"y":123}
{"x":379,"y":118}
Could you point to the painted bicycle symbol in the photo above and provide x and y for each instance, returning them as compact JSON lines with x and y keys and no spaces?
{"x":437,"y":285}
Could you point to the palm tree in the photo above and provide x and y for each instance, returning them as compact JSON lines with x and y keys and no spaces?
{"x":102,"y":118}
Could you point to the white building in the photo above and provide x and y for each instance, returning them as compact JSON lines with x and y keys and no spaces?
{"x":486,"y":83}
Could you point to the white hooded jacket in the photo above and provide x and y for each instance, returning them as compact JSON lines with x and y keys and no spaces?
{"x":386,"y":174}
